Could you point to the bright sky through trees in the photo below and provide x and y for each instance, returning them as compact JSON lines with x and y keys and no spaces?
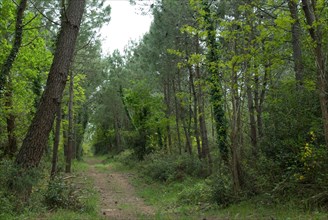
{"x":127,"y":23}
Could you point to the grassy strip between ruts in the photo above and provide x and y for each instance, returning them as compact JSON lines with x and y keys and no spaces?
{"x":166,"y":199}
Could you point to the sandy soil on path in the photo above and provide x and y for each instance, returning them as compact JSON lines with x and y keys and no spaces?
{"x":118,"y":196}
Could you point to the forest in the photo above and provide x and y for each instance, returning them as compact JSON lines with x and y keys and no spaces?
{"x":220,"y":111}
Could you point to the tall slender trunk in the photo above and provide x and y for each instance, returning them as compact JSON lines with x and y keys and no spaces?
{"x":235,"y":136}
{"x":195,"y":112}
{"x":65,"y":134}
{"x":83,"y":122}
{"x":252,"y":120}
{"x":56,"y":143}
{"x":70,"y":142}
{"x":117,"y":133}
{"x":217,"y":95}
{"x":202,"y":122}
{"x":167,"y":98}
{"x":177,"y":116}
{"x":296,"y":42}
{"x":186,"y":128}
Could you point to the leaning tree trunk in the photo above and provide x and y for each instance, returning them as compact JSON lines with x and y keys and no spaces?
{"x":36,"y":139}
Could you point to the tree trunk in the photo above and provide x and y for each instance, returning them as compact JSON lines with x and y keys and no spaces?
{"x":65,"y":134}
{"x":11,"y":146}
{"x":56,"y":143}
{"x":167,"y":98}
{"x":216,"y":87}
{"x":83,"y":122}
{"x":177,"y":116}
{"x":206,"y":155}
{"x":186,"y":128}
{"x":252,"y":121}
{"x":296,"y":42}
{"x":70,"y":142}
{"x":195,"y":112}
{"x":36,"y":139}
{"x":315,"y":31}
{"x":6,"y":67}
{"x":235,"y":134}
{"x":117,"y":133}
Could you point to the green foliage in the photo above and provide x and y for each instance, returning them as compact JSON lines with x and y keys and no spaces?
{"x":290,"y":116}
{"x":166,"y":168}
{"x":14,"y":181}
{"x":222,"y":193}
{"x":199,"y":194}
{"x":147,"y":116}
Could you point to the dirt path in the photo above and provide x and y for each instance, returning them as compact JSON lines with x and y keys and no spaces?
{"x":118,"y":197}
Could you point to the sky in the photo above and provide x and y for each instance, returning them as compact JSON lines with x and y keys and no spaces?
{"x":127,"y":23}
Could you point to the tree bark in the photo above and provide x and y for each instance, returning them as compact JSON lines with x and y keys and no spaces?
{"x":167,"y":98}
{"x":296,"y":42}
{"x":235,"y":136}
{"x":186,"y":128}
{"x":11,"y":147}
{"x":177,"y":116}
{"x":206,"y":155}
{"x":36,"y":139}
{"x":252,"y":120}
{"x":56,"y":143}
{"x":70,"y":142}
{"x":195,"y":112}
{"x":117,"y":134}
{"x":5,"y":70}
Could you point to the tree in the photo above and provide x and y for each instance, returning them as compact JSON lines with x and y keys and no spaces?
{"x":314,"y":12}
{"x":36,"y":139}
{"x":6,"y":67}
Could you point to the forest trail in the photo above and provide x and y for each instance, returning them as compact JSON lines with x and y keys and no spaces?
{"x":118,"y":196}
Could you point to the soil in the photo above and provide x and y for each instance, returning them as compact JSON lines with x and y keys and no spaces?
{"x":118,"y":196}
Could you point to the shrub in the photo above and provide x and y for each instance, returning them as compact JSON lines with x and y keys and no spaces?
{"x":163,"y":167}
{"x":12,"y":179}
{"x":222,"y":192}
{"x":199,"y":193}
{"x":126,"y":157}
{"x":62,"y":194}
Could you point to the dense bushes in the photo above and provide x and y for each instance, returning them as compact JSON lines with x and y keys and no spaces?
{"x":11,"y":181}
{"x":164,"y":167}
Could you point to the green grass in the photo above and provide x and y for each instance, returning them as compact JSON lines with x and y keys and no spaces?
{"x":79,"y":166}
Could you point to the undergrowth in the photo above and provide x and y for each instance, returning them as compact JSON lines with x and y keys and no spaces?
{"x":175,"y":185}
{"x":61,"y":198}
